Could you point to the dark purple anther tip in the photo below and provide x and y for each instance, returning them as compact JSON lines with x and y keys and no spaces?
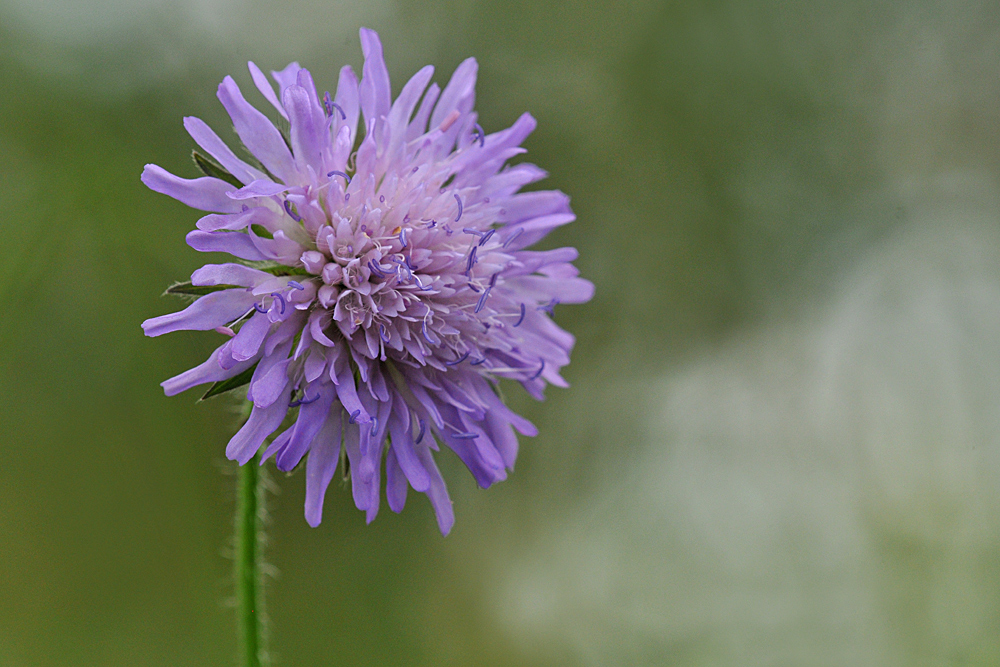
{"x":280,"y":300}
{"x":550,"y":307}
{"x":354,"y":417}
{"x":482,"y":135}
{"x":331,"y":174}
{"x":538,"y":372}
{"x":512,"y":237}
{"x":458,"y":361}
{"x":347,"y":197}
{"x":381,"y":199}
{"x":423,"y":329}
{"x":472,"y":260}
{"x":259,"y":309}
{"x":521,"y":319}
{"x":474,"y":232}
{"x":423,"y":430}
{"x":460,"y":208}
{"x":382,"y":333}
{"x":297,"y":285}
{"x":487,"y":236}
{"x":477,"y":362}
{"x":288,"y":209}
{"x":402,"y":237}
{"x":464,"y":436}
{"x":482,"y":299}
{"x":374,"y":427}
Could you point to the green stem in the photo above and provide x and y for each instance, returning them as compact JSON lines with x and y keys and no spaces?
{"x":249,"y":558}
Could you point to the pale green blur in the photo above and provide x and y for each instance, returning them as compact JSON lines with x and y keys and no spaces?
{"x":782,"y":443}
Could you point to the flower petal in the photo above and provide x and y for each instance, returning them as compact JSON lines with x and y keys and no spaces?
{"x":210,"y":311}
{"x":234,"y":243}
{"x":257,"y":133}
{"x":262,"y":423}
{"x":324,"y":454}
{"x":214,"y":146}
{"x":375,"y":93}
{"x":205,"y":193}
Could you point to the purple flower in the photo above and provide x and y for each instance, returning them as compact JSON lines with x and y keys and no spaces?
{"x":383,"y":290}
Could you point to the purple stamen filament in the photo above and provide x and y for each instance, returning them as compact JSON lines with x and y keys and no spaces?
{"x":281,"y":300}
{"x":521,"y":319}
{"x":460,"y":208}
{"x":288,"y":209}
{"x":354,"y":417}
{"x":474,"y":232}
{"x":472,"y":260}
{"x":487,"y":236}
{"x":482,"y":299}
{"x":459,"y":360}
{"x":331,"y":174}
{"x":512,"y":237}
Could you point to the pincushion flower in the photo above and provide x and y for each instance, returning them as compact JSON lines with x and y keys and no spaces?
{"x":383,"y":290}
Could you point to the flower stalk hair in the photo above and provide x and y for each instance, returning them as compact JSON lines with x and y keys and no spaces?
{"x":381,"y":285}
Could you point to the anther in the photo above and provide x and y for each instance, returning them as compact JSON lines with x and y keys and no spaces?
{"x":281,"y":300}
{"x":296,"y":284}
{"x":331,"y":105}
{"x":469,"y":230}
{"x":402,"y":237}
{"x":331,"y":174}
{"x":259,"y":309}
{"x":512,"y":237}
{"x":303,"y":401}
{"x":347,"y":197}
{"x":381,"y":199}
{"x":482,"y":299}
{"x":354,"y":417}
{"x":450,"y":120}
{"x":521,"y":319}
{"x":374,"y":426}
{"x":382,"y":333}
{"x":550,"y":307}
{"x":482,"y":135}
{"x":375,"y":269}
{"x":288,"y":209}
{"x":464,"y":436}
{"x":472,"y":260}
{"x":423,"y":329}
{"x":225,"y":331}
{"x":487,"y":236}
{"x":458,"y":361}
{"x":460,"y":208}
{"x":477,"y":362}
{"x":538,"y":372}
{"x":423,"y":430}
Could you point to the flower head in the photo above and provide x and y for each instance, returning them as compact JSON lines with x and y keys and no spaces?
{"x":384,"y":290}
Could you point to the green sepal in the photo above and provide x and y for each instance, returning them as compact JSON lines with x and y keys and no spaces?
{"x":187,"y":289}
{"x":276,"y":269}
{"x":209,"y":168}
{"x":234,"y":382}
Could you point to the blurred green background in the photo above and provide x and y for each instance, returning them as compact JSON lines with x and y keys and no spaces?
{"x":782,"y":443}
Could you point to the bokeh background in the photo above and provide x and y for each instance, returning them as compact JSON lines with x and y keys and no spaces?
{"x":782,"y":443}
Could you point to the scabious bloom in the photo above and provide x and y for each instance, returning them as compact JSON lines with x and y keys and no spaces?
{"x":384,"y":290}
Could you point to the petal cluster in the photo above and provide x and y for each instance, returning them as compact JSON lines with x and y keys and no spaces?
{"x":384,"y":286}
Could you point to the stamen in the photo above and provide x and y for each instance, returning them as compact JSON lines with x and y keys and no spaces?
{"x":331,"y":174}
{"x":459,"y":360}
{"x":469,"y":230}
{"x":374,"y":426}
{"x":281,"y":300}
{"x":375,"y":269}
{"x":297,"y":285}
{"x":382,"y":334}
{"x":521,"y":319}
{"x":402,"y":237}
{"x":477,"y":361}
{"x":303,"y":401}
{"x":539,"y":371}
{"x":381,"y":199}
{"x":354,"y":417}
{"x":347,"y":197}
{"x":331,"y":105}
{"x":472,"y":260}
{"x":423,"y":329}
{"x":487,"y":236}
{"x":288,"y":209}
{"x":420,"y":285}
{"x":512,"y":237}
{"x":226,"y":331}
{"x":423,"y":430}
{"x":464,"y":436}
{"x":482,"y":135}
{"x":473,"y":287}
{"x":482,"y":299}
{"x":550,"y":307}
{"x":460,"y":208}
{"x":259,"y":309}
